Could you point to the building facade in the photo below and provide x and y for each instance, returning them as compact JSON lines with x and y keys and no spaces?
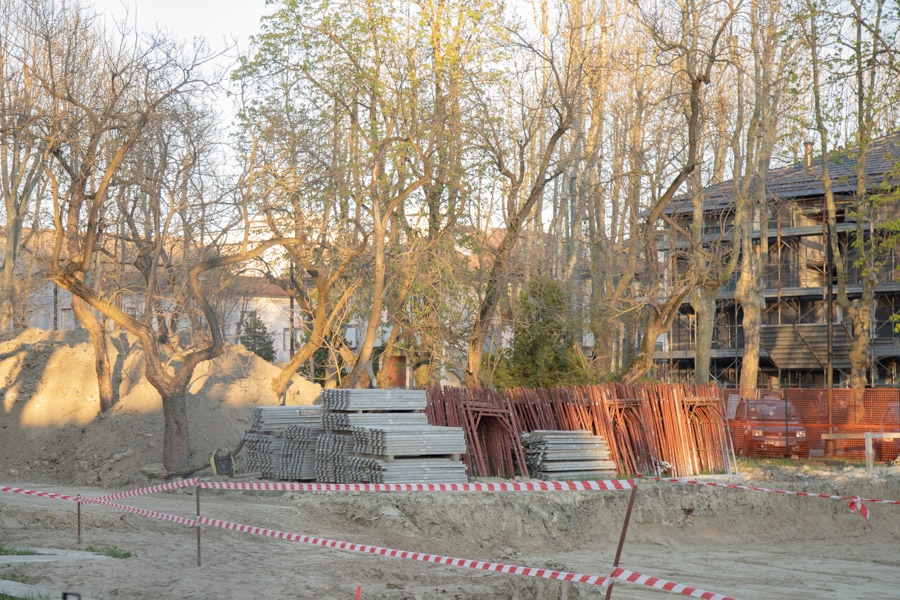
{"x":797,"y":344}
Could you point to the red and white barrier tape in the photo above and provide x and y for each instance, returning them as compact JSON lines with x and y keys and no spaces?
{"x":517,"y":486}
{"x":163,"y":487}
{"x":857,"y":504}
{"x":190,"y":522}
{"x":53,"y":495}
{"x":431,"y":558}
{"x":734,"y":486}
{"x":669,"y":586}
{"x":621,"y":574}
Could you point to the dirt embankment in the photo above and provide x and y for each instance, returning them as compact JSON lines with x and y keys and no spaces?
{"x":749,"y":545}
{"x":50,"y":424}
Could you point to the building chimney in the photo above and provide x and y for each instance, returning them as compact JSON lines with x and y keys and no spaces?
{"x":807,"y":154}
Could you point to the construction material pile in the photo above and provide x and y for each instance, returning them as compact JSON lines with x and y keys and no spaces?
{"x":332,"y":452}
{"x":383,"y":436}
{"x":365,"y":436}
{"x":393,"y":454}
{"x":572,"y":455}
{"x":281,"y":443}
{"x":679,"y":429}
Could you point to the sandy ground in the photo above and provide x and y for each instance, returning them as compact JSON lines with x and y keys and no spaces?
{"x":749,"y":545}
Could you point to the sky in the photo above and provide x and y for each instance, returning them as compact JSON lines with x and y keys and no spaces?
{"x":220,"y":22}
{"x":216,"y":20}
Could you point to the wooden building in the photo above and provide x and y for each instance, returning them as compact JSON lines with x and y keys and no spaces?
{"x":795,"y":339}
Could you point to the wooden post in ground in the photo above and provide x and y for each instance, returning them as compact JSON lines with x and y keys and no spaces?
{"x":79,"y":521}
{"x":870,"y":454}
{"x":198,"y":525}
{"x":622,"y":536}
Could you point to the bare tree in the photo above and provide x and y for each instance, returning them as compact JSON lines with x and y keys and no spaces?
{"x":23,"y":153}
{"x":688,"y":37}
{"x":110,"y":99}
{"x":524,"y":149}
{"x":771,"y":56}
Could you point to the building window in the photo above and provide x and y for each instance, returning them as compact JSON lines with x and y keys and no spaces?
{"x":66,"y":319}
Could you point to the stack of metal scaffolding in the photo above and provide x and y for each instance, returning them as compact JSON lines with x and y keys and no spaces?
{"x":574,"y":455}
{"x":406,"y":470}
{"x":347,"y":421}
{"x":383,"y":436}
{"x":377,"y":436}
{"x":275,"y":419}
{"x":259,"y":448}
{"x":295,"y":458}
{"x":332,"y":451}
{"x":375,"y":400}
{"x":409,"y":441}
{"x":281,"y":442}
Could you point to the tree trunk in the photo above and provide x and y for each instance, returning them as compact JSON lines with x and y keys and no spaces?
{"x":657,"y":324}
{"x":176,"y":441}
{"x":515,"y":219}
{"x":861,"y":318}
{"x":349,"y":357}
{"x":475,"y":355}
{"x":7,"y":290}
{"x":703,"y":300}
{"x":374,"y":322}
{"x":749,"y":294}
{"x":280,"y":383}
{"x":101,"y":352}
{"x":643,"y":360}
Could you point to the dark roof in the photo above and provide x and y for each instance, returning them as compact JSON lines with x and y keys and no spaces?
{"x":797,"y":181}
{"x":249,"y":286}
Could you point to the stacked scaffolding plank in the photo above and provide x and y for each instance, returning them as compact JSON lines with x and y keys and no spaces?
{"x":383,"y":436}
{"x":258,"y":448}
{"x":570,"y":455}
{"x":332,"y":452}
{"x":281,"y":443}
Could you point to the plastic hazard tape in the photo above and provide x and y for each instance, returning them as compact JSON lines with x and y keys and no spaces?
{"x":669,"y":586}
{"x":857,"y":504}
{"x":598,"y":580}
{"x":430,"y":558}
{"x":621,"y":574}
{"x":518,"y":486}
{"x":37,"y":494}
{"x":190,"y":522}
{"x":734,"y":486}
{"x":163,"y":487}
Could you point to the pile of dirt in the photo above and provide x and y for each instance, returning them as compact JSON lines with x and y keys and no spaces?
{"x":53,"y":430}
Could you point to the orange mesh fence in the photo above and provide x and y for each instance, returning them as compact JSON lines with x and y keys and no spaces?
{"x":798,"y":423}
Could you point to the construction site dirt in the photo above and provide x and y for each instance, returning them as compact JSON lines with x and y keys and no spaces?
{"x":732,"y":542}
{"x":744,"y":544}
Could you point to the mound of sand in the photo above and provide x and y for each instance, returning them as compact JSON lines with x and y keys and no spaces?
{"x":52,"y":428}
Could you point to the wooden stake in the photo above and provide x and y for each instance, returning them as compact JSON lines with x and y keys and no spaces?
{"x":79,"y":521}
{"x":198,"y":525}
{"x":622,"y":536}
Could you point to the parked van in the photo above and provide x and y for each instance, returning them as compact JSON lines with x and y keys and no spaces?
{"x":768,"y":427}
